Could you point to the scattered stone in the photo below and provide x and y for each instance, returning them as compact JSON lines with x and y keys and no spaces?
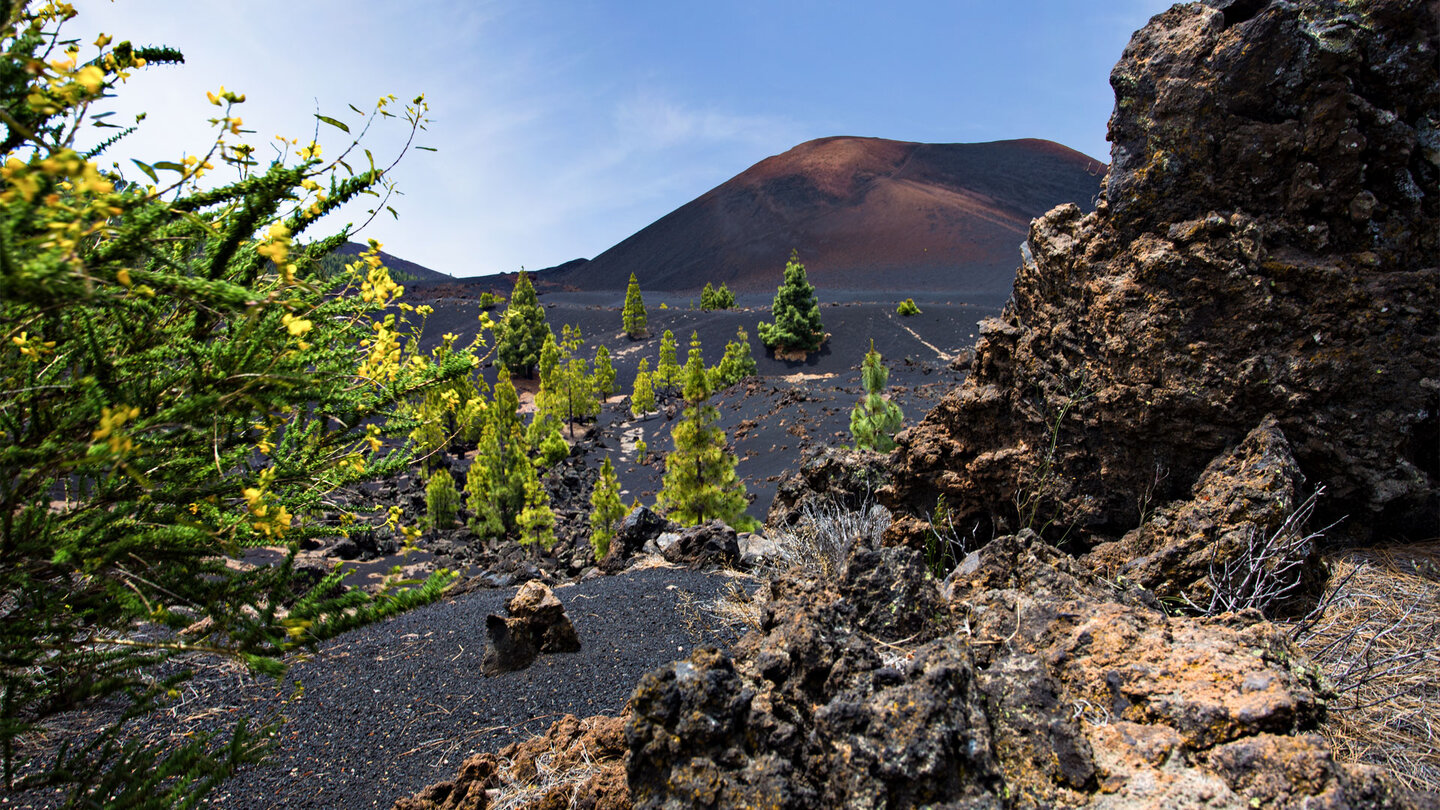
{"x":638,"y":529}
{"x":537,"y":624}
{"x":712,"y":543}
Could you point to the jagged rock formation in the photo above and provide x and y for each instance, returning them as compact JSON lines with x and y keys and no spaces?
{"x":1036,"y":685}
{"x":1267,"y":243}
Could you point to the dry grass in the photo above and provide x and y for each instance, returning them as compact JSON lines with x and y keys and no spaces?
{"x":518,"y":791}
{"x":1376,"y":640}
{"x":821,"y":541}
{"x":737,"y":608}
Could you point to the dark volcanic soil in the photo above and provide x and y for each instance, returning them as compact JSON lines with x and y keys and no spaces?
{"x":791,"y":406}
{"x":392,"y":707}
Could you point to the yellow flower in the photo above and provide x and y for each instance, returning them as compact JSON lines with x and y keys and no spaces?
{"x":296,"y":326}
{"x":311,"y":152}
{"x":91,"y":78}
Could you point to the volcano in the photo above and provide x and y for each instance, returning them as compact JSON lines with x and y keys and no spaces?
{"x":864,"y":214}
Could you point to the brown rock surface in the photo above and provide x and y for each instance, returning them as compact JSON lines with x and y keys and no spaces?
{"x":1267,"y":244}
{"x":1242,"y":501}
{"x":577,"y":764}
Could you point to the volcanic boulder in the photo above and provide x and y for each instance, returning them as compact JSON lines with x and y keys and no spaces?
{"x":537,"y":624}
{"x":1267,"y":244}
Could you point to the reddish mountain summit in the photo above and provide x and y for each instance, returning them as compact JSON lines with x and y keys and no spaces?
{"x":864,"y":214}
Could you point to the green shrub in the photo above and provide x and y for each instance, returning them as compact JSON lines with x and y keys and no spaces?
{"x":907,"y":308}
{"x":180,"y":382}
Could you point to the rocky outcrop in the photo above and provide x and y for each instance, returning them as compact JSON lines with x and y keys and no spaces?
{"x":1237,"y":532}
{"x":640,"y":527}
{"x":576,"y":765}
{"x":1035,"y":684}
{"x":1267,"y":244}
{"x":843,"y":476}
{"x":537,"y":624}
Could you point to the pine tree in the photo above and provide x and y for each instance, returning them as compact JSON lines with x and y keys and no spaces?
{"x":494,"y":486}
{"x":549,"y":357}
{"x":737,"y":364}
{"x":700,"y":481}
{"x":875,"y":420}
{"x":634,"y":314}
{"x":724,"y":299}
{"x":483,"y":483}
{"x":667,"y":371}
{"x":606,"y":509}
{"x":521,"y":332}
{"x":604,"y":374}
{"x":547,"y":440}
{"x":441,"y":500}
{"x":797,"y":313}
{"x":642,"y":400}
{"x":571,"y":387}
{"x":707,"y":297}
{"x":536,"y":522}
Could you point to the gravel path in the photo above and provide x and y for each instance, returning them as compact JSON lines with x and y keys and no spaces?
{"x":392,"y":707}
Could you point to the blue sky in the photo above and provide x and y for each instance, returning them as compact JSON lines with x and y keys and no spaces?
{"x":563,"y":127}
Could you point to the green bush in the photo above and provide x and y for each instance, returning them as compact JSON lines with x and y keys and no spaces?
{"x":712,"y":298}
{"x":907,"y":308}
{"x":179,"y":382}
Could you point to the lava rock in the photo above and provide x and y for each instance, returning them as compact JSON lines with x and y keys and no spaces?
{"x":1224,"y":276}
{"x":537,"y":624}
{"x":712,"y":543}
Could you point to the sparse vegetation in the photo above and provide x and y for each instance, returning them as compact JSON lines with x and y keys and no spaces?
{"x":633,"y":316}
{"x":796,"y":311}
{"x":827,"y":532}
{"x":907,"y":308}
{"x":875,"y":420}
{"x":1373,"y":635}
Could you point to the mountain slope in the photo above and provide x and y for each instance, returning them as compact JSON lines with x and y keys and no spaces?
{"x":401,"y":269}
{"x":864,"y":214}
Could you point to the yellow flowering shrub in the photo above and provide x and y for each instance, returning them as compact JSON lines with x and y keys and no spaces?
{"x":178,"y":381}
